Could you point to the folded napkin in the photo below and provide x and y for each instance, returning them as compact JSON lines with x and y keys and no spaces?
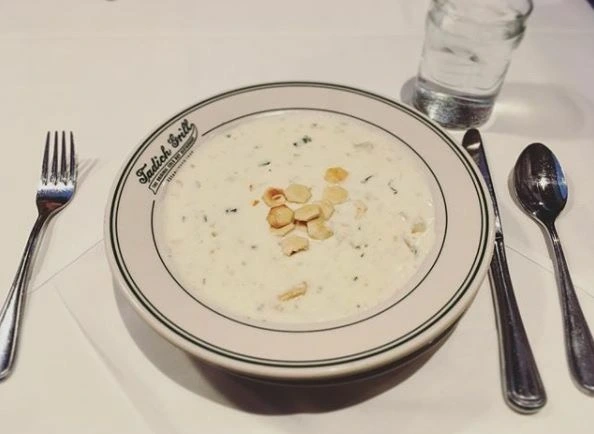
{"x":455,"y":389}
{"x":522,"y":234}
{"x":59,"y":385}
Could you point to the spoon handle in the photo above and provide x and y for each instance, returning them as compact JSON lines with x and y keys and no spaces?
{"x":578,"y":339}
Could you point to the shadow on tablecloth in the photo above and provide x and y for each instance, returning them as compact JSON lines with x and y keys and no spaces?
{"x":533,"y":111}
{"x":257,"y":396}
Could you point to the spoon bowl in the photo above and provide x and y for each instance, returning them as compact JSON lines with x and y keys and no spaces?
{"x":541,"y":189}
{"x":540,"y":183}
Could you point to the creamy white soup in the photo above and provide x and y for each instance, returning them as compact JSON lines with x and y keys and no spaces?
{"x":213,"y":224}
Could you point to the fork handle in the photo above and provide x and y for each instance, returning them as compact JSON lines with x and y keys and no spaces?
{"x":10,"y":316}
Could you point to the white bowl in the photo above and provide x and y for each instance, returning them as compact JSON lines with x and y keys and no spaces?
{"x":433,"y":300}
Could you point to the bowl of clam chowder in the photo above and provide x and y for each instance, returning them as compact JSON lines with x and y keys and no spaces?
{"x":299,"y":231}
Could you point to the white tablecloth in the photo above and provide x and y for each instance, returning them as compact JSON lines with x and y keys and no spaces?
{"x":113,"y":70}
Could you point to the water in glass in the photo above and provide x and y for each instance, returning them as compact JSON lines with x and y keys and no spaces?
{"x":467,"y":51}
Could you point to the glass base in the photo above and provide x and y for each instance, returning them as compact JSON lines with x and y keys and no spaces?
{"x":454,"y":111}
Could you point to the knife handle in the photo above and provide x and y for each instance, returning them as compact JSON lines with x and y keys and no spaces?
{"x":522,"y":385}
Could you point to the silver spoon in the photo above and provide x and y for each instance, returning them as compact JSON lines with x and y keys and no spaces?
{"x":541,"y":189}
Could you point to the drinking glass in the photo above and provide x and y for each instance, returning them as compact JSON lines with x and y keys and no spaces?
{"x":467,"y":51}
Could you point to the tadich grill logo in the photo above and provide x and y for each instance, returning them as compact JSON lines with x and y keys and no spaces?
{"x":156,"y":169}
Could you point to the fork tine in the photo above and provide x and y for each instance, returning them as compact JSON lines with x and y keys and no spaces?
{"x":54,"y":171}
{"x":45,"y":162}
{"x":63,"y":168}
{"x":73,"y":165}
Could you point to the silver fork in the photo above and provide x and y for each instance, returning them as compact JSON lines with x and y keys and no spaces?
{"x":55,"y":191}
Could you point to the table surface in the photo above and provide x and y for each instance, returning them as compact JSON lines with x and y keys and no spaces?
{"x":88,"y":364}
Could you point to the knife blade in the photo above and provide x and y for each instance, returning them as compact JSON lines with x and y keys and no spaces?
{"x":522,"y":385}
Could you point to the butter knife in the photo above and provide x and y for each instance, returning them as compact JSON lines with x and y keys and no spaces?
{"x":522,"y":385}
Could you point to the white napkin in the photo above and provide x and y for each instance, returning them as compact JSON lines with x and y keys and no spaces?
{"x":556,"y":116}
{"x":457,"y":389}
{"x":69,"y":235}
{"x":59,"y":384}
